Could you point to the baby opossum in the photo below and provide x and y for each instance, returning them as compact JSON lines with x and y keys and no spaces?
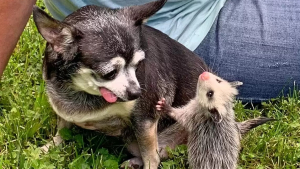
{"x":214,"y":135}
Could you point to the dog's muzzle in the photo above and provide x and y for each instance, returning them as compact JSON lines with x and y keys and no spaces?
{"x":133,"y":93}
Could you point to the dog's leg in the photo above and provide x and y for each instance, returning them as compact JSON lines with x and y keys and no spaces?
{"x":133,"y":148}
{"x":57,"y":140}
{"x":148,"y":142}
{"x":171,"y":137}
{"x":146,"y":135}
{"x":136,"y":162}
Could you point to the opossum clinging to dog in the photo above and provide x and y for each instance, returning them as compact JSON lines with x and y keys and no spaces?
{"x":214,"y":135}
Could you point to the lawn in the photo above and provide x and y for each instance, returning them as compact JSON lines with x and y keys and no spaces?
{"x":28,"y":122}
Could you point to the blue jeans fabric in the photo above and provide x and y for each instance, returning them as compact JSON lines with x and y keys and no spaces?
{"x":256,"y":42}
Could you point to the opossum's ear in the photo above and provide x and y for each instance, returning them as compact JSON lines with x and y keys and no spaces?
{"x":58,"y":34}
{"x":215,"y":115}
{"x":236,"y":83}
{"x":140,"y":13}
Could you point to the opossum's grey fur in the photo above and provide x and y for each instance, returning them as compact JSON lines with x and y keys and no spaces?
{"x":211,"y":145}
{"x":214,"y":135}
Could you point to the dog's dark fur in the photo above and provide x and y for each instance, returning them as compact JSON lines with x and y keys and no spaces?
{"x":94,"y":35}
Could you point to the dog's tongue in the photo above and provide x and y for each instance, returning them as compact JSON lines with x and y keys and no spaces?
{"x":108,"y":95}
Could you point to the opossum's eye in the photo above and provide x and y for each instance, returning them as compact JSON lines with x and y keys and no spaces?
{"x":210,"y":94}
{"x":111,"y":75}
{"x":219,"y":81}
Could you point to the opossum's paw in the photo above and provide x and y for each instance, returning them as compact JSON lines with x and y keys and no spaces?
{"x":134,"y":163}
{"x":163,"y":106}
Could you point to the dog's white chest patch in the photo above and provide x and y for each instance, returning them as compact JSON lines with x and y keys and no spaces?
{"x":120,"y":109}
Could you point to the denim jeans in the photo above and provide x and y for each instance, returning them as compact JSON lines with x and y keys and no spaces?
{"x":256,"y":42}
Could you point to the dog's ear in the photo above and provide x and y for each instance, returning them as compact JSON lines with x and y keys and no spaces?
{"x":139,"y":14}
{"x":59,"y":35}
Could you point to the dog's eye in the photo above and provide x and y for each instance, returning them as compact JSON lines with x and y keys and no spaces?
{"x":111,"y":75}
{"x":210,"y":94}
{"x":94,"y":75}
{"x":219,"y":81}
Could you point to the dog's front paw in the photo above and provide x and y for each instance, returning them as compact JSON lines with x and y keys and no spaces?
{"x":57,"y":140}
{"x":162,"y":106}
{"x":45,"y":148}
{"x":134,"y":163}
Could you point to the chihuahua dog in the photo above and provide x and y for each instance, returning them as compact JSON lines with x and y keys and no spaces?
{"x":105,"y":70}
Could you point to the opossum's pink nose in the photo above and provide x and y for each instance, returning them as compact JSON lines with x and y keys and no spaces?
{"x":204,"y":76}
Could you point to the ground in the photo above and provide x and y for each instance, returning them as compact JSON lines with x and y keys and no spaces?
{"x":28,"y":122}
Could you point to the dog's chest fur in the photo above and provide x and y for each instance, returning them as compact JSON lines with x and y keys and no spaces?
{"x":121,"y":110}
{"x":110,"y":120}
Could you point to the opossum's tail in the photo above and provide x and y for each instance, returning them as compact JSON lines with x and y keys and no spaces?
{"x":247,"y":125}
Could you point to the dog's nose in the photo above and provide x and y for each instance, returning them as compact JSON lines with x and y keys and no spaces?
{"x":134,"y":94}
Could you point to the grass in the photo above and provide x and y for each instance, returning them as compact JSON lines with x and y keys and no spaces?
{"x":28,"y":122}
